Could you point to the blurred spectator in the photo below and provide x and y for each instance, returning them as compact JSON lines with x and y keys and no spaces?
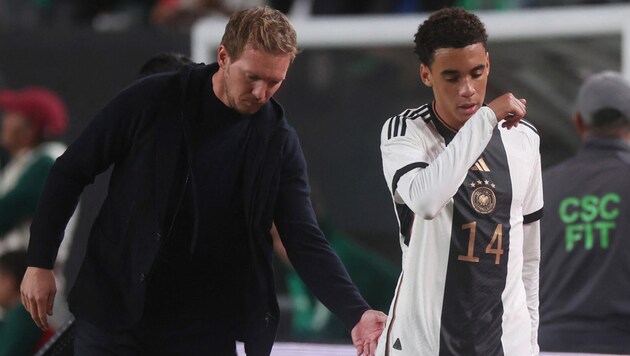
{"x":19,"y":335}
{"x":31,"y":118}
{"x":585,"y":290}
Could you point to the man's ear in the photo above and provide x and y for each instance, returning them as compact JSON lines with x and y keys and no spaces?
{"x":222,"y":56}
{"x":580,"y":125}
{"x":425,"y":75}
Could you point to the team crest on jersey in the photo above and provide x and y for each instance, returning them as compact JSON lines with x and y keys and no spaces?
{"x":483,"y":198}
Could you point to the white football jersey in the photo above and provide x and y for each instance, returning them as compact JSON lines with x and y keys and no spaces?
{"x":468,"y":205}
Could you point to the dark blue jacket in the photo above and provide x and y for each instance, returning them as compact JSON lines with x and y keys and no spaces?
{"x":144,"y":133}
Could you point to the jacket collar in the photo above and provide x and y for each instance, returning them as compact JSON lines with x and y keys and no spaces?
{"x":606,"y":144}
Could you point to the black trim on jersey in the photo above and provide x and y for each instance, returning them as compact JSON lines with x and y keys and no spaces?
{"x":403,"y":130}
{"x":530,"y":125}
{"x":535,"y":216}
{"x":401,"y":172}
{"x":389,"y":128}
{"x":397,"y":118}
{"x":442,"y":129}
{"x":399,"y":128}
{"x":405,"y":217}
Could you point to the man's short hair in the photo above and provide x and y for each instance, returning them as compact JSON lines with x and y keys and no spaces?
{"x":263,"y":28}
{"x":449,"y":27}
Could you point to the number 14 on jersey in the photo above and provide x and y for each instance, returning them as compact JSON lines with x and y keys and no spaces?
{"x":493,"y":247}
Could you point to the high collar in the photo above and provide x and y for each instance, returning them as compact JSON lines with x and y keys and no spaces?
{"x":605,"y":144}
{"x":447,"y":132}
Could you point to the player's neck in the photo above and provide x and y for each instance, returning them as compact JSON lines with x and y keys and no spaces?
{"x":444,"y":122}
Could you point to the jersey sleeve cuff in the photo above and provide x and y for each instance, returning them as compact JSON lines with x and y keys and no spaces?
{"x":535,"y":216}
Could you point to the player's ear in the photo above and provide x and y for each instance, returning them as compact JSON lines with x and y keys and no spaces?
{"x":425,"y":75}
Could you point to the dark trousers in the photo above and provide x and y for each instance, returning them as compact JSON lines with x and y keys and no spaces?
{"x":157,"y":338}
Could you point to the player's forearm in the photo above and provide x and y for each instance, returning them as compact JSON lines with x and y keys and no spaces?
{"x":428,"y":189}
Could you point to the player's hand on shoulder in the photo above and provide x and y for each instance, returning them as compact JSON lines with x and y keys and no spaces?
{"x":508,"y":109}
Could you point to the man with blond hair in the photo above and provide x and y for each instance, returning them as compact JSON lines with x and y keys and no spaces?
{"x":179,"y":259}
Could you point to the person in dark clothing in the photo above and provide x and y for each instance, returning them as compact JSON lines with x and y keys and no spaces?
{"x":584,"y":285}
{"x":164,"y":62}
{"x":179,"y":258}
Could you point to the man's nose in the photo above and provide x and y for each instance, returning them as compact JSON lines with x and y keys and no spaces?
{"x":467,"y":89}
{"x":260,"y":91}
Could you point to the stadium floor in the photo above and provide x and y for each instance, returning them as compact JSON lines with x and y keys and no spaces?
{"x":301,"y":349}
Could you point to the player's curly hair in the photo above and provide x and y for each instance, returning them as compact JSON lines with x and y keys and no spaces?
{"x":449,"y":27}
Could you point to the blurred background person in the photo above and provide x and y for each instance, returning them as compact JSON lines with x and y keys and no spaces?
{"x":19,"y":336}
{"x":585,"y":289}
{"x":31,"y":119}
{"x":164,"y":62}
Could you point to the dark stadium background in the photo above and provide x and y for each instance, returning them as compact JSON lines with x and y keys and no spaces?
{"x":336,"y":99}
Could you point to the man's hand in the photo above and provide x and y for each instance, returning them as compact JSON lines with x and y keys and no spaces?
{"x":38,"y":294}
{"x":367,"y":331}
{"x":508,"y":109}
